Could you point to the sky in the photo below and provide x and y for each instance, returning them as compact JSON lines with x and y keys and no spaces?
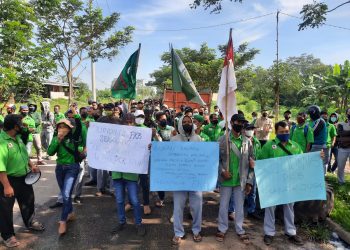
{"x":152,"y":17}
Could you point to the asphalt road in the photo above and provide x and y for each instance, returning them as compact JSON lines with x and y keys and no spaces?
{"x":96,"y":216}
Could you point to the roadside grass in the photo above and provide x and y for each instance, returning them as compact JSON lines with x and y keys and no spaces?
{"x":341,"y":211}
{"x":316,"y":232}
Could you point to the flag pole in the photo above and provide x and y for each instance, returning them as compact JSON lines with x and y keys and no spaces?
{"x":226,"y":103}
{"x":172,"y":81}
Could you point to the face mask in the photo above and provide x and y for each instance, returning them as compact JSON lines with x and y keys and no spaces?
{"x":187,"y":128}
{"x":162,"y":123}
{"x":249,"y":133}
{"x":237,"y":128}
{"x":24,"y":114}
{"x":333,"y":119}
{"x":287,"y":117}
{"x":264,"y":114}
{"x":201,"y":113}
{"x":108,"y":112}
{"x":195,"y":113}
{"x":283,"y":137}
{"x":314,"y":117}
{"x":84,"y":115}
{"x":215,"y":122}
{"x":31,"y":109}
{"x":139,"y":121}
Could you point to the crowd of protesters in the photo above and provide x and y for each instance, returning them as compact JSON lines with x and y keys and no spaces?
{"x":63,"y":136}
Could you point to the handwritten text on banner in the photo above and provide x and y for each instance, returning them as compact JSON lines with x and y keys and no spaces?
{"x":289,"y":179}
{"x":119,"y":148}
{"x":184,"y":166}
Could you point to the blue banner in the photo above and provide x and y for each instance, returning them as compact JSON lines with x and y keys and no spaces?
{"x":289,"y":179}
{"x":184,"y":166}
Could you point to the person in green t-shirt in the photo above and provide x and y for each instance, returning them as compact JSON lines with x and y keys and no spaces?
{"x":273,"y":149}
{"x":29,"y":127}
{"x":68,"y":144}
{"x":213,"y":130}
{"x":57,"y":114}
{"x":302,"y":133}
{"x":331,"y":137}
{"x":198,"y":120}
{"x":235,"y":175}
{"x":14,"y":165}
{"x":33,"y":113}
{"x":334,"y":118}
{"x":127,"y":181}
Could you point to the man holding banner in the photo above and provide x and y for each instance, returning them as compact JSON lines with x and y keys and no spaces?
{"x":187,"y":134}
{"x":236,"y":176}
{"x":280,"y":146}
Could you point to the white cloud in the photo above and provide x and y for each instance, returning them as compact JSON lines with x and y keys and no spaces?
{"x":259,"y":8}
{"x":291,"y":6}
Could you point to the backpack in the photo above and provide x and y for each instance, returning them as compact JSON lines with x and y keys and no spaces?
{"x":306,"y":128}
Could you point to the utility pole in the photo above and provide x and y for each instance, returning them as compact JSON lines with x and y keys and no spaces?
{"x":277,"y":82}
{"x":93,"y":82}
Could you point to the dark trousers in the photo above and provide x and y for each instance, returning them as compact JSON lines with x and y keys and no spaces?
{"x":24,"y":195}
{"x":144,"y":182}
{"x":332,"y":168}
{"x":161,"y":195}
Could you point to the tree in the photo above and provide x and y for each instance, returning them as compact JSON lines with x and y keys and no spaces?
{"x":262,"y":81}
{"x":77,"y":32}
{"x":203,"y":66}
{"x":24,"y":64}
{"x":314,"y":14}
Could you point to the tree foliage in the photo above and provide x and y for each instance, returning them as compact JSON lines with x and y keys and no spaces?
{"x":203,"y":66}
{"x":24,"y":64}
{"x":77,"y":32}
{"x":314,"y":15}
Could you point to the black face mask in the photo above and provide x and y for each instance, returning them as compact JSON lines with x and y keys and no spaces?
{"x":24,"y":114}
{"x":214,"y":122}
{"x":237,"y":128}
{"x":162,"y":123}
{"x":84,"y":115}
{"x":314,"y":117}
{"x":264,"y":114}
{"x":188,"y":128}
{"x":32,"y":109}
{"x":201,"y":113}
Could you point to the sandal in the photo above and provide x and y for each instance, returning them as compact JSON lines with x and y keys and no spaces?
{"x":160,"y":204}
{"x":244,"y":238}
{"x":220,"y":236}
{"x":197,"y":237}
{"x":176,"y":241}
{"x":36,"y":226}
{"x":11,"y":242}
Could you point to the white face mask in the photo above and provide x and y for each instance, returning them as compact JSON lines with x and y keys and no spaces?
{"x":195,"y":113}
{"x":249,"y":133}
{"x":139,"y":121}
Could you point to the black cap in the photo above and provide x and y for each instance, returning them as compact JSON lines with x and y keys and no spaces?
{"x":288,"y":112}
{"x":249,"y":126}
{"x":109,"y":106}
{"x":238,"y":117}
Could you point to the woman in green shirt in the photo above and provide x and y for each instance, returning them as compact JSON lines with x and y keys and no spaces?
{"x":65,"y":144}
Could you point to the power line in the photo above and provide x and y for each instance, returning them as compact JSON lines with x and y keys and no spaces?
{"x":209,"y":26}
{"x":331,"y":25}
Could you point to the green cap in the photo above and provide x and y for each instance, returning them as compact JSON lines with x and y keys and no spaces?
{"x":199,"y":118}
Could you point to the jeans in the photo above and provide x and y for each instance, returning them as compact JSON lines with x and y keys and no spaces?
{"x":24,"y":195}
{"x":316,"y":148}
{"x":119,"y":187}
{"x":144,"y":181}
{"x":103,"y":180}
{"x":343,"y":156}
{"x":66,"y":176}
{"x":251,"y":199}
{"x":288,"y":217}
{"x":180,"y":198}
{"x":333,"y":167}
{"x":225,"y":195}
{"x":46,"y":138}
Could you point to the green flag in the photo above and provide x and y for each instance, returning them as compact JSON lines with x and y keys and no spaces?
{"x":182,"y":81}
{"x":125,"y":85}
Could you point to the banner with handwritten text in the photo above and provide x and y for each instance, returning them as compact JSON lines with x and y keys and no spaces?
{"x":184,"y":166}
{"x":289,"y":179}
{"x":118,"y":148}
